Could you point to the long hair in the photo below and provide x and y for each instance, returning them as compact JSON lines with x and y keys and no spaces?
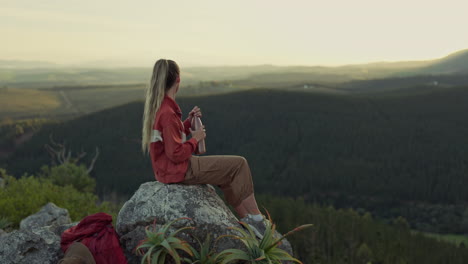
{"x":165,"y":73}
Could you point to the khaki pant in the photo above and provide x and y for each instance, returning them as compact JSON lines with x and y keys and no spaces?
{"x":230,"y":173}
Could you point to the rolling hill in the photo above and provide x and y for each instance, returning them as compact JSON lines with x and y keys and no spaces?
{"x":381,"y":151}
{"x":455,"y":63}
{"x":43,"y":74}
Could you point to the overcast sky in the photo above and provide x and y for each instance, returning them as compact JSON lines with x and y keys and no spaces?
{"x":233,"y":32}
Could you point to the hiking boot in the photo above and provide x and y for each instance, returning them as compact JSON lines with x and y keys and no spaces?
{"x":77,"y":253}
{"x":258,"y":227}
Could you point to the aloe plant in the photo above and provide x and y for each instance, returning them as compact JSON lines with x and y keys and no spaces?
{"x":261,"y":251}
{"x":207,"y":255}
{"x":159,"y":245}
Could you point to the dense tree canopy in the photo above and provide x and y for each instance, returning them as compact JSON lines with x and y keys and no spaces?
{"x":394,"y":153}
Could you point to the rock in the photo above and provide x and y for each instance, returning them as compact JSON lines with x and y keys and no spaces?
{"x":58,"y":230}
{"x":41,"y":246}
{"x":33,"y":242}
{"x":50,"y":214}
{"x":155,"y":201}
{"x":2,"y":232}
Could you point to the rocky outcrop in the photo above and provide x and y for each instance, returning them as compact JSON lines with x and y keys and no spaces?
{"x":34,"y":243}
{"x":162,"y":203}
{"x":50,"y":214}
{"x":38,"y":239}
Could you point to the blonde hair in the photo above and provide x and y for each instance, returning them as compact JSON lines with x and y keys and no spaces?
{"x":165,"y":73}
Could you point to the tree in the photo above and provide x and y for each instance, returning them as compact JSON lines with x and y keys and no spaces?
{"x":464,"y":222}
{"x":59,"y":155}
{"x":364,"y":254}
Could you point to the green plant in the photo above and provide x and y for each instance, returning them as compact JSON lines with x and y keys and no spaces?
{"x":69,"y":174}
{"x":26,"y":195}
{"x":207,"y":255}
{"x":264,"y":251}
{"x":4,"y":222}
{"x":159,"y":244}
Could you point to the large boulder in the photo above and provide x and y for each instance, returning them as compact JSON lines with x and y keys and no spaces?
{"x":50,"y":214}
{"x":34,"y":242}
{"x":162,"y":203}
{"x":40,"y":245}
{"x":23,"y":246}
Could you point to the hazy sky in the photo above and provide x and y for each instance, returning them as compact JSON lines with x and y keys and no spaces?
{"x":234,"y":32}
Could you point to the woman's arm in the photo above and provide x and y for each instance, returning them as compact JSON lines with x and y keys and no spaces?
{"x":176,"y":150}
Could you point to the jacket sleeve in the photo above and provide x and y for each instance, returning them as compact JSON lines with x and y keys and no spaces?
{"x":187,"y":126}
{"x":176,"y":150}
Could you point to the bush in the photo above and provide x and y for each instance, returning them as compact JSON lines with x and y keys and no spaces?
{"x":25,"y":196}
{"x":69,"y":174}
{"x":4,"y":223}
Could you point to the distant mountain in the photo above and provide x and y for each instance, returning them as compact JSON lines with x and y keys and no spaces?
{"x":45,"y":74}
{"x":27,"y":64}
{"x":452,"y":64}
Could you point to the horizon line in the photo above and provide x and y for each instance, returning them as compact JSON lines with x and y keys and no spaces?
{"x":51,"y":64}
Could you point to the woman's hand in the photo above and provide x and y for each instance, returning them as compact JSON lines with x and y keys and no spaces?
{"x":198,"y":134}
{"x":196,"y":111}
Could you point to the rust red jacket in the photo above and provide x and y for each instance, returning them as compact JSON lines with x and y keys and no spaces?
{"x":169,"y":149}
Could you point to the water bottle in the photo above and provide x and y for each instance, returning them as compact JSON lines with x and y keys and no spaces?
{"x":197,"y":124}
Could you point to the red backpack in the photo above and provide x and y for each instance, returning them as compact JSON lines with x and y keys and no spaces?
{"x":97,"y":233}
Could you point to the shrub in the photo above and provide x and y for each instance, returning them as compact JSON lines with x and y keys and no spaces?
{"x":4,"y":223}
{"x":69,"y":174}
{"x":25,"y":196}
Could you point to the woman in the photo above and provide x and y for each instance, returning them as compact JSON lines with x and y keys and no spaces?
{"x":164,"y":136}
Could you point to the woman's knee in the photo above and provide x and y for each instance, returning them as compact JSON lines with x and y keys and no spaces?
{"x":242,"y":160}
